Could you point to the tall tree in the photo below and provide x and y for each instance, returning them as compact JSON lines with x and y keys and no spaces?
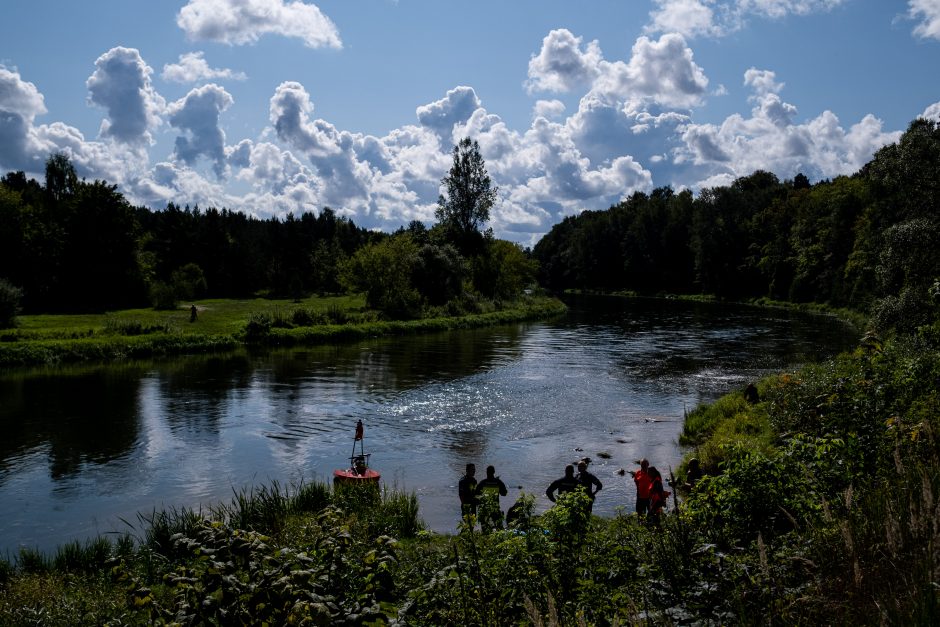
{"x":61,"y":179}
{"x":465,"y":207}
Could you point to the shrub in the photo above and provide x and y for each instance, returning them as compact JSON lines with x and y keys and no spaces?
{"x":258,"y":327}
{"x":163,"y":296}
{"x":10,"y":298}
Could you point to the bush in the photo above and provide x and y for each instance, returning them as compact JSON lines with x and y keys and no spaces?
{"x":10,"y":298}
{"x":258,"y":327}
{"x":163,"y":296}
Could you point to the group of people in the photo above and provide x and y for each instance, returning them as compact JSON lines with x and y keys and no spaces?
{"x":481,"y":498}
{"x":650,"y":494}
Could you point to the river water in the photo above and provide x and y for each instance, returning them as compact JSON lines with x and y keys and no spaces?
{"x":85,"y":449}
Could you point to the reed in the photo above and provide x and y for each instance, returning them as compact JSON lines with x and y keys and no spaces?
{"x":88,"y":557}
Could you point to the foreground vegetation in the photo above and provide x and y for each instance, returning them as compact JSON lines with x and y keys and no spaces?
{"x":820,"y":504}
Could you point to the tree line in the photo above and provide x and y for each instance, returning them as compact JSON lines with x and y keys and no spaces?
{"x":67,"y":245}
{"x":869,"y":241}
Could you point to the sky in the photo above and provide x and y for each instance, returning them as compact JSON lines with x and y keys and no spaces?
{"x":281,"y":106}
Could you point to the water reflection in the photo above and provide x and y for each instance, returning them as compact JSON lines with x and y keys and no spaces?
{"x":83,"y":448}
{"x":76,"y":418}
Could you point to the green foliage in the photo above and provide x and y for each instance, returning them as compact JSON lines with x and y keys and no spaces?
{"x":10,"y":299}
{"x":56,"y":599}
{"x":235,"y":576}
{"x":258,"y":327}
{"x":503,"y":270}
{"x":469,"y":194}
{"x":163,"y":296}
{"x":383,"y":271}
{"x":90,"y":557}
{"x":189,"y":282}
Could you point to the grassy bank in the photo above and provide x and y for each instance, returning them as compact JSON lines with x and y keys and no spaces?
{"x":226,"y":324}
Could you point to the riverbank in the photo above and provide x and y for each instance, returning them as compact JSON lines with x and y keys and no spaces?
{"x":223,"y":325}
{"x":833,"y":518}
{"x":856,"y":319}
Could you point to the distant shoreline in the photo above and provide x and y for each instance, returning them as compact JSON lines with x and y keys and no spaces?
{"x":31,"y":350}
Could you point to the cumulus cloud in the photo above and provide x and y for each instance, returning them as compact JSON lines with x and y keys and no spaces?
{"x":238,"y":22}
{"x":717,"y":18}
{"x":561,"y":65}
{"x":454,"y":108}
{"x":121,"y":84}
{"x":932,"y":112}
{"x":192,"y":68}
{"x":549,"y":109}
{"x":771,"y":140}
{"x":687,"y":17}
{"x":20,"y":103}
{"x":197,"y":114}
{"x":927,"y":13}
{"x":661,"y":72}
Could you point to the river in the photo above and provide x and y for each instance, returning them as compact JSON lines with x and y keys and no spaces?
{"x":84,"y":449}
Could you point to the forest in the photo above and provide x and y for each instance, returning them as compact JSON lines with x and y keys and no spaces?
{"x":866,"y":242}
{"x":69,"y":245}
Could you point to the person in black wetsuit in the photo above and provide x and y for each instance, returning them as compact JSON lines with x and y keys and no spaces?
{"x":467,"y":491}
{"x":568,"y":483}
{"x":591,"y":484}
{"x":488,"y":492}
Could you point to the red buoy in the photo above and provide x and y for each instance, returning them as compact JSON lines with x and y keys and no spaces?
{"x":358,"y":472}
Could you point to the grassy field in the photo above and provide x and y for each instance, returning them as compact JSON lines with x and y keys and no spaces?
{"x":223,"y":325}
{"x":215,"y":317}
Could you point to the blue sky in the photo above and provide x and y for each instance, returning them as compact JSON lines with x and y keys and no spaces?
{"x":278,"y":106}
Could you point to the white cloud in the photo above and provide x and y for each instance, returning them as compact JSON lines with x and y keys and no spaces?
{"x":197,"y":114}
{"x":561,"y":65}
{"x":927,"y":12}
{"x":717,"y":18}
{"x":763,"y":81}
{"x":454,"y":108}
{"x":20,"y":103}
{"x":687,"y":17}
{"x":932,"y":112}
{"x":192,"y":68}
{"x":549,"y":109}
{"x":121,"y":84}
{"x":237,"y":22}
{"x":770,"y":140}
{"x":660,"y":72}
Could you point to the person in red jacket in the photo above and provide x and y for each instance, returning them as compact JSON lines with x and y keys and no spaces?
{"x":658,"y":494}
{"x":644,"y":484}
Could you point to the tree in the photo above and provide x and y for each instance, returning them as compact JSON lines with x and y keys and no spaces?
{"x":383,"y":271}
{"x":61,"y":179}
{"x":10,"y":297}
{"x":469,"y":195}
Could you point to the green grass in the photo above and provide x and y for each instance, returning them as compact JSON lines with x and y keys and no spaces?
{"x":223,"y":325}
{"x":216,"y":317}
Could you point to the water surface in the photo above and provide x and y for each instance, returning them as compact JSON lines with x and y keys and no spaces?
{"x":86,"y":449}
